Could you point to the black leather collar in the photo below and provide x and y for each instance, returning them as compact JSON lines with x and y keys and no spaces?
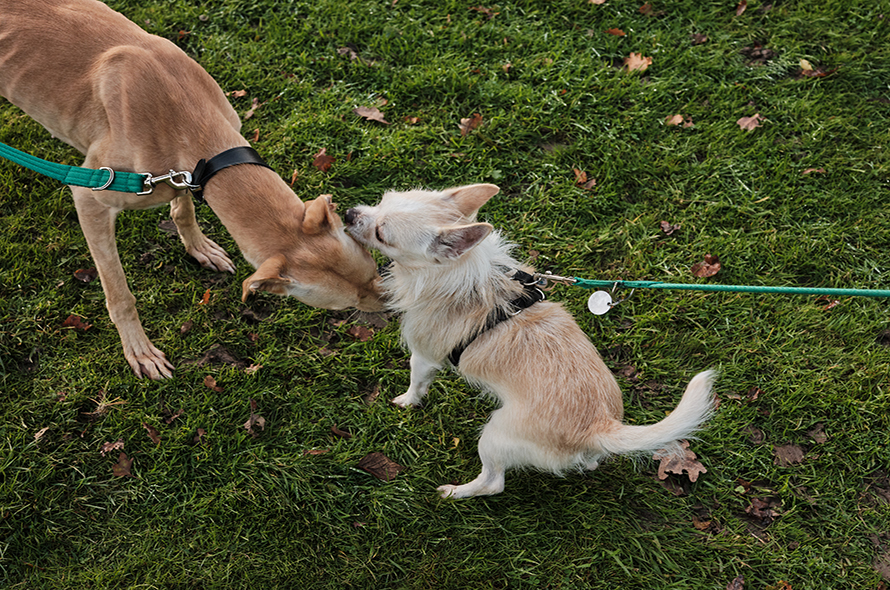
{"x":529,"y":297}
{"x":232,"y":157}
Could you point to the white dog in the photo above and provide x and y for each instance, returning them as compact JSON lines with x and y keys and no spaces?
{"x":464,"y":298}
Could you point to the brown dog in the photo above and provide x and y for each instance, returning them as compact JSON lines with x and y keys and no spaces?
{"x":132,"y":101}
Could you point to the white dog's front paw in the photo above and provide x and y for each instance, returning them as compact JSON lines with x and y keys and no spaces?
{"x":405,"y":400}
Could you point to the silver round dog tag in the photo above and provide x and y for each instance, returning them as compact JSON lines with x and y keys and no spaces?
{"x":599,"y":303}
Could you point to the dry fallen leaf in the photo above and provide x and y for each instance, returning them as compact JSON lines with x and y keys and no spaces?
{"x":646,"y":9}
{"x":698,"y":38}
{"x":199,"y":437}
{"x":117,"y":445}
{"x":470,"y":123}
{"x":238,"y":93}
{"x":412,"y":120}
{"x":210,"y":383}
{"x":818,"y":433}
{"x":370,"y":114}
{"x":255,"y":104}
{"x":616,"y":32}
{"x":254,"y":420}
{"x":763,"y":510}
{"x":316,"y":452}
{"x":323,"y":161}
{"x":811,"y":170}
{"x":596,"y":1}
{"x":76,"y":322}
{"x":668,"y":228}
{"x":673,"y":121}
{"x":380,"y":466}
{"x":706,"y":268}
{"x":341,"y":433}
{"x":750,"y":123}
{"x":293,"y":177}
{"x":582,"y":180}
{"x":253,"y":369}
{"x":736,"y":584}
{"x":360,"y":333}
{"x":123,"y":466}
{"x":742,"y":7}
{"x":205,"y":299}
{"x":677,"y":464}
{"x":153,"y":433}
{"x":488,"y":12}
{"x":637,"y":62}
{"x":39,"y":434}
{"x":786,"y":455}
{"x":86,"y":275}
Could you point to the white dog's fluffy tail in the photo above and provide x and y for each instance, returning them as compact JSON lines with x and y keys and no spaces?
{"x":696,"y":406}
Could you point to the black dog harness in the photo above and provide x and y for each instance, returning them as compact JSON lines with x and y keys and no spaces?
{"x":529,"y":297}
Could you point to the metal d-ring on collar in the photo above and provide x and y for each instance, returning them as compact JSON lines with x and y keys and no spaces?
{"x":531,"y":295}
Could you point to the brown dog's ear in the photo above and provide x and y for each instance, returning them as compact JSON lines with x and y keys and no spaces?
{"x":471,"y":197}
{"x":268,"y":277}
{"x":453,"y":242}
{"x":320,"y":215}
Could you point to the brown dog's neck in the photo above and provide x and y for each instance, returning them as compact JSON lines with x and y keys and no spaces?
{"x":257,"y":208}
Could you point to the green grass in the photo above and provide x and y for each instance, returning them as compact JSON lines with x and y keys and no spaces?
{"x":245,"y":512}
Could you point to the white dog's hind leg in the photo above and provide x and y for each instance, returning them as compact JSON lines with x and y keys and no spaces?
{"x":422,"y":372}
{"x":200,"y":247}
{"x":499,"y":450}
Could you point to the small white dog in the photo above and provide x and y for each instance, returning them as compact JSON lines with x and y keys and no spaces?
{"x":464,"y":298}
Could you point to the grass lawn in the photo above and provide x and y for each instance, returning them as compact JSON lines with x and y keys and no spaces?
{"x":797,"y":490}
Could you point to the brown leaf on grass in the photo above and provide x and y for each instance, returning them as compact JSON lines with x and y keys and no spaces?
{"x":616,"y":32}
{"x":754,"y":393}
{"x":123,"y":466}
{"x":253,"y":369}
{"x":700,"y":524}
{"x":750,"y":123}
{"x":316,"y":452}
{"x":707,"y":267}
{"x":293,"y":177}
{"x":412,"y":120}
{"x":323,"y":161}
{"x":153,"y":433}
{"x":637,"y":62}
{"x":171,"y":417}
{"x":210,"y":383}
{"x":361,"y":333}
{"x":741,"y":8}
{"x":470,"y":123}
{"x":817,"y":433}
{"x":698,"y":38}
{"x":596,"y":1}
{"x":76,"y":322}
{"x":86,"y":275}
{"x":205,"y":299}
{"x":380,"y":466}
{"x":117,"y":445}
{"x":673,"y":121}
{"x":219,"y":355}
{"x":256,"y":135}
{"x":582,"y":180}
{"x":669,"y":229}
{"x":168,"y":226}
{"x":370,"y":114}
{"x":254,"y":420}
{"x":786,"y":455}
{"x":808,"y":71}
{"x":345,"y":434}
{"x":646,"y":9}
{"x":811,"y":170}
{"x":238,"y":93}
{"x":199,"y":437}
{"x":488,"y":12}
{"x":755,"y":435}
{"x":677,"y":464}
{"x":763,"y":510}
{"x":736,"y":584}
{"x":254,"y":105}
{"x":186,"y":327}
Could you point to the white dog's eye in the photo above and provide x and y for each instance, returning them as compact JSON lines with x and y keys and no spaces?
{"x":380,"y":236}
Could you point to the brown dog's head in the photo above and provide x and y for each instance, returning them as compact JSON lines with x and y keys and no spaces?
{"x":325,"y":267}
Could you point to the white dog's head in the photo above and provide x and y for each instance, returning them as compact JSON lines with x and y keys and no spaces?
{"x":421,"y":227}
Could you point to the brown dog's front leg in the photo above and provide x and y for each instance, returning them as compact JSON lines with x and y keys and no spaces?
{"x":97,"y":223}
{"x":200,"y":247}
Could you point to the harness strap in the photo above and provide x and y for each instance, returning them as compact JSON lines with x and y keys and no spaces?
{"x":205,"y":169}
{"x":529,"y":297}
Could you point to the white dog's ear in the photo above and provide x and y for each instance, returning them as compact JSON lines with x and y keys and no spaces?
{"x":453,"y":242}
{"x":471,"y":197}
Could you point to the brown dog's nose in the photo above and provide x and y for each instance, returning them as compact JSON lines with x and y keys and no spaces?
{"x":349,"y":216}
